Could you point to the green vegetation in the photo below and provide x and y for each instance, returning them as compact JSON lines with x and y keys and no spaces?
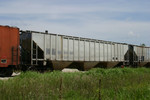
{"x":116,"y":84}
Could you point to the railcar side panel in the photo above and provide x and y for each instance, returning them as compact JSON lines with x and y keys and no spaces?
{"x":70,"y":53}
{"x":116,"y":52}
{"x":48,"y":48}
{"x":59,"y":49}
{"x":87,"y":51}
{"x":109,"y":52}
{"x":81,"y":51}
{"x":112,"y":52}
{"x":9,"y":46}
{"x":101,"y":52}
{"x":105,"y":51}
{"x":65,"y":49}
{"x":146,"y":54}
{"x":96,"y":51}
{"x":92,"y":51}
{"x":53,"y":40}
{"x":149,"y":54}
{"x":76,"y":51}
{"x":119,"y":52}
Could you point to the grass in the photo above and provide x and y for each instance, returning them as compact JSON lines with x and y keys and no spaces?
{"x":116,"y":84}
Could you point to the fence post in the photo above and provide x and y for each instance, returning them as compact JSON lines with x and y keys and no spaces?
{"x":99,"y":89}
{"x":60,"y":89}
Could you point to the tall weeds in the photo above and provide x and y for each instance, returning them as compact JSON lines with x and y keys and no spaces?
{"x":116,"y":84}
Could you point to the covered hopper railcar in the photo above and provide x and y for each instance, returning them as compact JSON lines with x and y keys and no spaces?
{"x":141,"y":56}
{"x":60,"y":51}
{"x":9,"y":49}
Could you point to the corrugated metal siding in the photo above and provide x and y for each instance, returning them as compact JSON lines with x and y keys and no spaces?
{"x":63,"y":48}
{"x":9,"y":38}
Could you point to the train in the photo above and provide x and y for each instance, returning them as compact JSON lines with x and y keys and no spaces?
{"x":42,"y":50}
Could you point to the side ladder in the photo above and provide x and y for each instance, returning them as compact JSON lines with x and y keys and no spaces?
{"x":34,"y":53}
{"x":14,"y":56}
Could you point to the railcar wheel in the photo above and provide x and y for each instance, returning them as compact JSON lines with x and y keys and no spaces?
{"x":6,"y":72}
{"x":9,"y":72}
{"x":24,"y":68}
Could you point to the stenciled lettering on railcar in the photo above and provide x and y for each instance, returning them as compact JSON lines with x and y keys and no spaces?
{"x":47,"y":51}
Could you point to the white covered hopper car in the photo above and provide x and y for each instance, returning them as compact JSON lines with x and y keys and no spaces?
{"x":61,"y":51}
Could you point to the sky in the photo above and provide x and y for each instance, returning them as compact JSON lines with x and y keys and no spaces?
{"x":125,"y":21}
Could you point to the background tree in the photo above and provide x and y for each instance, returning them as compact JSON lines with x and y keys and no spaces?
{"x":143,"y":45}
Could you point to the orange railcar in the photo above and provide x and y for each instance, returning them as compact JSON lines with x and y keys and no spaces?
{"x":9,"y":49}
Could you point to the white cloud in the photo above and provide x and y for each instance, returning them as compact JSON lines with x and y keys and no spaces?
{"x":133,"y":34}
